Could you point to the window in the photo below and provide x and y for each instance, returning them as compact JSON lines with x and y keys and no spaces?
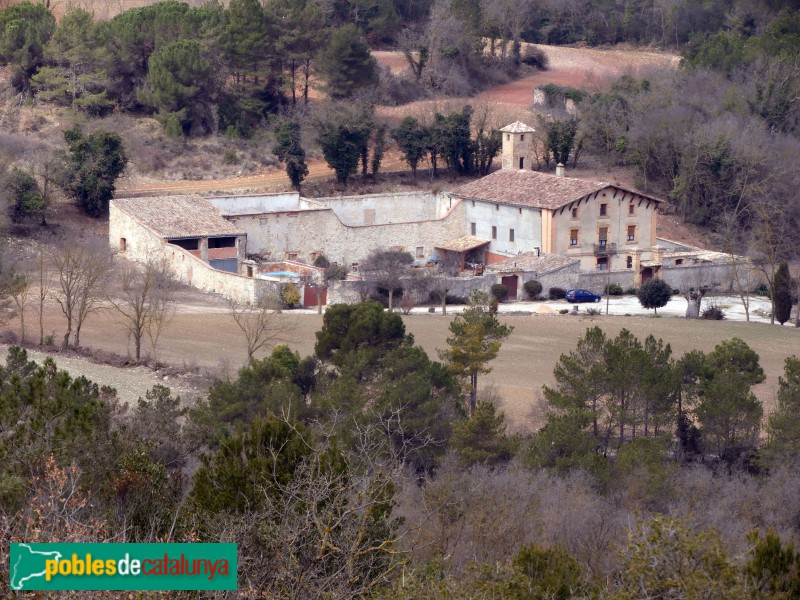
{"x":602,"y":263}
{"x":420,"y":252}
{"x":521,"y":162}
{"x":573,"y":237}
{"x":510,"y":235}
{"x":473,"y":204}
{"x":574,"y":213}
{"x":508,"y":137}
{"x":603,"y":210}
{"x":249,"y":271}
{"x":291,"y":255}
{"x":123,"y":244}
{"x":631,"y":233}
{"x":629,"y":262}
{"x":603,"y":236}
{"x":520,"y":211}
{"x":631,"y":209}
{"x":494,"y":232}
{"x":497,"y":207}
{"x":473,"y":229}
{"x":521,"y":137}
{"x":354,"y":267}
{"x":678,"y":261}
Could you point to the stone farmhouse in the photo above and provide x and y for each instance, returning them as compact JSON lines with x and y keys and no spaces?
{"x":518,"y":223}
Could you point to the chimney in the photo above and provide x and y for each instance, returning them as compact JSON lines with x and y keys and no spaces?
{"x":560,"y":170}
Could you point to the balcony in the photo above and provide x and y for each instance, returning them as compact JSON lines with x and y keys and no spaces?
{"x":604,"y":248}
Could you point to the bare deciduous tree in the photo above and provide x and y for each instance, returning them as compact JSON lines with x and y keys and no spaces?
{"x":262,"y":324}
{"x":448,"y":266}
{"x":81,"y":271}
{"x":45,"y":281}
{"x":145,"y":300}
{"x":385,"y":268}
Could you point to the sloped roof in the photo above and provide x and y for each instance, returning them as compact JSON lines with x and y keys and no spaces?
{"x":176,"y":217}
{"x":464,"y":244}
{"x":533,"y":189}
{"x":531,"y":262}
{"x":518,"y":127}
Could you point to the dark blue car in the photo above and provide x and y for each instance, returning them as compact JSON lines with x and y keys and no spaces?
{"x":581,"y":296}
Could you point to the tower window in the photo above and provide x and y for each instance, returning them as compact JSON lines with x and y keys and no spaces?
{"x":573,"y":237}
{"x":631,"y":208}
{"x":603,"y":210}
{"x":574,"y":213}
{"x":521,"y":137}
{"x":631,"y":233}
{"x":521,"y":162}
{"x":629,"y":262}
{"x":494,"y":232}
{"x":472,"y":228}
{"x":510,"y":235}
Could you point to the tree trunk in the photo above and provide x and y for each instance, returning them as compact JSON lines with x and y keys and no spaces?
{"x":391,"y":295}
{"x":444,"y":304}
{"x":694,"y":299}
{"x":137,"y":342}
{"x":473,"y":393}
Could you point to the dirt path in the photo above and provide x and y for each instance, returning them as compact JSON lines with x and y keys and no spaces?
{"x":131,"y":383}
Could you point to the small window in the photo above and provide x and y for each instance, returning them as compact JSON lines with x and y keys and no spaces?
{"x":521,"y":137}
{"x":497,"y":207}
{"x":629,"y":262}
{"x":249,"y":271}
{"x":678,"y":261}
{"x":508,"y":137}
{"x":573,"y":237}
{"x":521,"y":162}
{"x":631,"y":209}
{"x":510,"y":235}
{"x":574,"y":213}
{"x":520,"y":211}
{"x":473,"y":204}
{"x":354,"y":267}
{"x":631,"y":233}
{"x":603,"y":210}
{"x":602,"y":264}
{"x":291,"y":255}
{"x":473,"y":228}
{"x":420,"y":252}
{"x":123,"y":244}
{"x":494,"y":232}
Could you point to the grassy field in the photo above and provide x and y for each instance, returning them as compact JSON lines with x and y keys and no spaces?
{"x":203,"y":335}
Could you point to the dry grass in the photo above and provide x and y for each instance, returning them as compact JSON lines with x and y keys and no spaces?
{"x":203,"y":334}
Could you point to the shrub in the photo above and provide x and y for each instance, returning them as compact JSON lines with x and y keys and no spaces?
{"x":593,"y":312}
{"x":536,"y":57}
{"x":761,"y":290}
{"x":556,"y":293}
{"x":407,"y":303}
{"x":676,"y":292}
{"x":712,"y":313}
{"x":654,"y":294}
{"x":563,"y":311}
{"x":613,"y":289}
{"x":321,"y":261}
{"x":500,"y":292}
{"x":230,"y":157}
{"x":631,"y":291}
{"x":289,"y":295}
{"x":533,"y":288}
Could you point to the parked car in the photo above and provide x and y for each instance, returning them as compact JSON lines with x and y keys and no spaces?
{"x":581,"y":296}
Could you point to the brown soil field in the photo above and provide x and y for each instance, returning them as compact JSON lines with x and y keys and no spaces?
{"x":203,"y":337}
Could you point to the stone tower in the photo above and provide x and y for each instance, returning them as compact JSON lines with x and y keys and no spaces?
{"x":518,"y":146}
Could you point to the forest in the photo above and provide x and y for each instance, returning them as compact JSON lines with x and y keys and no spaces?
{"x":369,"y":470}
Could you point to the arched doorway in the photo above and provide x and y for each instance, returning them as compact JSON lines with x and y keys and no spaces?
{"x":647,"y":274}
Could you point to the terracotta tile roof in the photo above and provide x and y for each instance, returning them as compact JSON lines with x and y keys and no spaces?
{"x":533,"y":189}
{"x":175,"y":217}
{"x":463,"y":244}
{"x":518,"y":127}
{"x":530,"y":262}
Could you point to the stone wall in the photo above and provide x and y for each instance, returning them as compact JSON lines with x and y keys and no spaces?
{"x":141,"y":245}
{"x":597,"y":282}
{"x":303,"y":233}
{"x":381,"y":209}
{"x":242,"y":205}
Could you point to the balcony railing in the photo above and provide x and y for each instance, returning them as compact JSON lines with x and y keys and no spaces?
{"x":604,"y":249}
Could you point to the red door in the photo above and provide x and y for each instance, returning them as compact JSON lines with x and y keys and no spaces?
{"x":511,"y":283}
{"x":310,"y":296}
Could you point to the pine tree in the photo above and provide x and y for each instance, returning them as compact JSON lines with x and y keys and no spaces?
{"x":25,"y":28}
{"x":482,"y":438}
{"x":180,"y":85}
{"x":347,"y":64}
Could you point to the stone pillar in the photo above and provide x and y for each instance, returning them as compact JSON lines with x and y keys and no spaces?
{"x":241,"y":248}
{"x":658,"y":257}
{"x":204,"y":249}
{"x":636,"y":253}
